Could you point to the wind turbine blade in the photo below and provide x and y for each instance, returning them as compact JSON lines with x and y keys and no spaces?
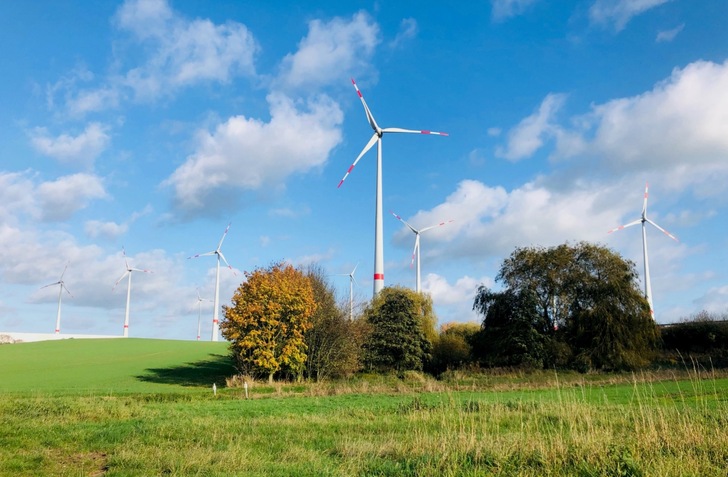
{"x":644,"y":203}
{"x":638,"y":221}
{"x":202,"y":254}
{"x":438,"y":225}
{"x":120,"y":279}
{"x":414,"y":251}
{"x":226,"y":262}
{"x":663,"y":230}
{"x":354,"y":271}
{"x":414,"y":230}
{"x":223,"y":236}
{"x":369,"y":145}
{"x":368,"y":112}
{"x":63,"y":286}
{"x":413,"y":131}
{"x":49,"y":285}
{"x":64,"y":272}
{"x":132,"y":269}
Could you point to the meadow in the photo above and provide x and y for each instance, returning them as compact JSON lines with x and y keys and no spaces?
{"x":146,"y":407}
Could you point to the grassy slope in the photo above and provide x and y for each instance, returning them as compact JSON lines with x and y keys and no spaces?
{"x":111,"y":365}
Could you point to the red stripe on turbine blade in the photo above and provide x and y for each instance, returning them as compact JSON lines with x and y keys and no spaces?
{"x":350,"y":169}
{"x":339,"y":186}
{"x":424,"y":132}
{"x":379,"y":276}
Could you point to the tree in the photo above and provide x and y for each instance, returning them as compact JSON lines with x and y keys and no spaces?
{"x":587,"y":301}
{"x":513,"y":331}
{"x":453,"y":348}
{"x":334,"y":341}
{"x":401,"y":321}
{"x":270,"y":314}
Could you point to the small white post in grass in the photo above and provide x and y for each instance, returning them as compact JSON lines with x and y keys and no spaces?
{"x":245,"y":386}
{"x":214,"y":389}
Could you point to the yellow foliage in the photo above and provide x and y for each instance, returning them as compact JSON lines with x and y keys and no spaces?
{"x":270,"y":313}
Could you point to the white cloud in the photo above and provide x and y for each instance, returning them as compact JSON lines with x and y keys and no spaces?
{"x":81,"y":150}
{"x":184,"y":51}
{"x":108,"y":230}
{"x":676,"y":131}
{"x":715,"y":300}
{"x":503,"y":9}
{"x":61,"y":198}
{"x":454,"y":301}
{"x":669,"y":35}
{"x":330,"y":50}
{"x":246,"y":153}
{"x":529,"y":135}
{"x":407,"y":30}
{"x":21,"y":196}
{"x":618,"y":13}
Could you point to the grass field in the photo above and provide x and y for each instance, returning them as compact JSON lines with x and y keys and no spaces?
{"x":145,"y":407}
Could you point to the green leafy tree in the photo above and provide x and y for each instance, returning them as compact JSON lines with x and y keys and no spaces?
{"x":270,"y":314}
{"x":513,"y":331}
{"x":453,"y":348}
{"x":583,"y":299}
{"x":401,"y":323}
{"x":334,"y":342}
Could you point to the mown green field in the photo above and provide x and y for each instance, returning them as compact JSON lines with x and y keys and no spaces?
{"x":159,"y":417}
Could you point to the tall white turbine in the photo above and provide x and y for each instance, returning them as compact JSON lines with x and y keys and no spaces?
{"x":352,"y":281}
{"x":378,"y":225}
{"x":127,"y":273}
{"x":61,"y":286}
{"x":199,"y":312}
{"x":642,"y":220}
{"x":416,"y":250}
{"x":217,"y":252}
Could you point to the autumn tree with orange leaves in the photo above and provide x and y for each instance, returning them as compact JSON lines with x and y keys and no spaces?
{"x":270,"y":314}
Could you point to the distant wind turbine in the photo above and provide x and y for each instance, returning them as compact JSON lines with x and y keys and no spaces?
{"x":416,"y":250}
{"x":642,"y":220}
{"x":378,"y":225}
{"x":352,"y":281}
{"x":127,"y":273}
{"x":217,"y":252}
{"x":199,"y":312}
{"x":61,"y":286}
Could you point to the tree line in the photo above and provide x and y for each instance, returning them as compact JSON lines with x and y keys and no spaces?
{"x":570,"y":306}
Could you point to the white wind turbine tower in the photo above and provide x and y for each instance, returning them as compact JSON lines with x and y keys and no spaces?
{"x":127,"y":273}
{"x":352,"y":281}
{"x":642,"y":220}
{"x":199,"y":312}
{"x":61,"y":286}
{"x":378,"y":222}
{"x":416,"y":250}
{"x":217,"y":252}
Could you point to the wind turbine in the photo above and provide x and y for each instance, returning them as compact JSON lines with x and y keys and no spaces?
{"x":352,"y":281}
{"x":416,"y":250}
{"x":199,"y":312}
{"x":127,"y":273}
{"x":218,"y":253}
{"x":642,"y":220}
{"x":378,"y":225}
{"x":62,"y":286}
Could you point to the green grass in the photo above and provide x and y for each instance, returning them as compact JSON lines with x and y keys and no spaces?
{"x":160,"y":418}
{"x":112,"y":366}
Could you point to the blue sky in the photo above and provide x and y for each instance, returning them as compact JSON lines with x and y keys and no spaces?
{"x":152,"y":124}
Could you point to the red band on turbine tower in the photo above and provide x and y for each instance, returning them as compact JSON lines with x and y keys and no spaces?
{"x":214,"y":321}
{"x":379,"y":276}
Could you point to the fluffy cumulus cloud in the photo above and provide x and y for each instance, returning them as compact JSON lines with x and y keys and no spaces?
{"x":529,"y":135}
{"x":666,"y":36}
{"x":247,"y":153}
{"x":407,"y":30}
{"x":454,"y":301}
{"x":329,"y":50}
{"x":22,"y":196}
{"x":80,"y":150}
{"x":108,"y":230}
{"x":184,"y":51}
{"x":677,"y":129}
{"x":503,"y":9}
{"x":617,"y":13}
{"x":61,"y":198}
